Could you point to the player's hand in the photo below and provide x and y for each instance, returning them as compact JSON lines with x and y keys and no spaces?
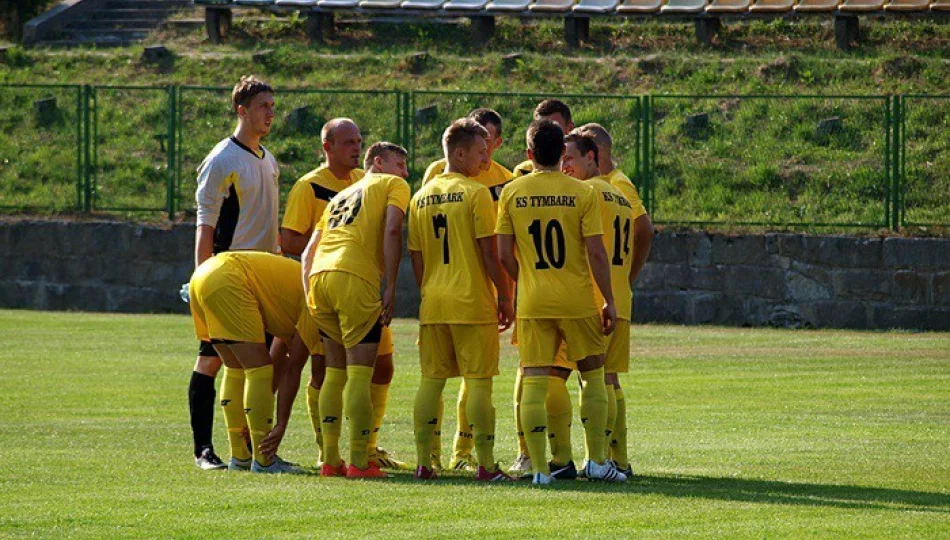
{"x":271,"y":442}
{"x":506,"y":314}
{"x":389,"y":306}
{"x":610,"y":318}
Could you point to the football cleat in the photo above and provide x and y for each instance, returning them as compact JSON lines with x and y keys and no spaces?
{"x":541,"y":479}
{"x":435,"y":463}
{"x":372,"y":471}
{"x":279,"y":466}
{"x":605,"y":472}
{"x":209,"y":461}
{"x":239,"y":464}
{"x":563,"y":472}
{"x":330,"y":471}
{"x":382,"y":459}
{"x":484,"y":475}
{"x":522,"y":464}
{"x":425,"y":473}
{"x":463,"y":463}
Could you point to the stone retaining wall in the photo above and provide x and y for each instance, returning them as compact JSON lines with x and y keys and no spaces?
{"x":691,"y":278}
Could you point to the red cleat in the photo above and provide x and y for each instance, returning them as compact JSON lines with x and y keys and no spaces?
{"x":425,"y":473}
{"x":329,"y":470}
{"x":484,"y":475}
{"x":369,"y":472}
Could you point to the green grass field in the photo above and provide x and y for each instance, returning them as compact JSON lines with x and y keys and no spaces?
{"x":739,"y":433}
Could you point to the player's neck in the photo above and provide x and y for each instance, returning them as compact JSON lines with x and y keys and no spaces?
{"x":341,"y":171}
{"x":609,"y":168}
{"x":543,"y":168}
{"x":248,"y":139}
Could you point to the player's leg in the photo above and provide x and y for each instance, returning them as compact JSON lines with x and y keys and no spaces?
{"x":435,"y":457}
{"x":618,"y":446}
{"x":201,"y":402}
{"x":358,"y":404}
{"x":255,"y":359}
{"x":382,"y":377}
{"x":435,"y":354}
{"x":560,"y":413}
{"x":317,"y":373}
{"x":232,"y":405}
{"x":522,"y":464}
{"x":618,"y":361}
{"x":331,"y":407}
{"x":538,"y":341}
{"x":464,"y":438}
{"x":609,"y":383}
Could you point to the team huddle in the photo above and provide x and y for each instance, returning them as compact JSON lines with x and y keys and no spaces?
{"x":550,"y":250}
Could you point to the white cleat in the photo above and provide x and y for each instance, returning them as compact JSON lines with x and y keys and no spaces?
{"x":604,"y":472}
{"x":541,"y":479}
{"x":521,"y":465}
{"x":240,"y":464}
{"x":279,"y":466}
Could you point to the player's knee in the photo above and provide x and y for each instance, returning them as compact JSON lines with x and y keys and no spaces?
{"x":208,"y":365}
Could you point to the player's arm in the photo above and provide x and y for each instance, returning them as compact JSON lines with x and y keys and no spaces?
{"x":392,"y":253}
{"x":293,"y":242}
{"x":418,"y":266}
{"x":506,"y":252}
{"x":306,"y":260}
{"x":210,"y":195}
{"x":600,"y":268}
{"x":287,"y":389}
{"x":489,"y":252}
{"x":204,"y":244}
{"x":642,"y":242}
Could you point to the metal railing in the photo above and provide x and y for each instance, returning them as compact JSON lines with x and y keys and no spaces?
{"x":771,"y":161}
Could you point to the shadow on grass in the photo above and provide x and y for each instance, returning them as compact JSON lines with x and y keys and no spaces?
{"x":730,"y":489}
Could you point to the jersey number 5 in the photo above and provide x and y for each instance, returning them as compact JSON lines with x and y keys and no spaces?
{"x":553,"y":244}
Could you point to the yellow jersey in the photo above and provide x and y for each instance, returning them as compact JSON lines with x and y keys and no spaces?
{"x":494,"y":178}
{"x":617,"y":218}
{"x":353,"y":224}
{"x":310,"y":195}
{"x":550,"y":214}
{"x":446,"y":217}
{"x":620,"y":181}
{"x":523,"y":168}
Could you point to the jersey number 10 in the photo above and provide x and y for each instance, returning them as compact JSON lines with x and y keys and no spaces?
{"x":553,"y":244}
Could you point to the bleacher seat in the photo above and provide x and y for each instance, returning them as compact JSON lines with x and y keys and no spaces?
{"x":212,"y":2}
{"x":422,"y":4}
{"x":907,"y":5}
{"x":254,"y":3}
{"x":772,"y":6}
{"x":940,"y":5}
{"x":465,"y":5}
{"x":595,"y":6}
{"x":295,"y":3}
{"x":338,"y":4}
{"x":861,"y":6}
{"x":380,"y":4}
{"x":552,"y":6}
{"x":640,"y":6}
{"x":508,"y":5}
{"x":674,"y":7}
{"x":816,"y":6}
{"x":720,"y":7}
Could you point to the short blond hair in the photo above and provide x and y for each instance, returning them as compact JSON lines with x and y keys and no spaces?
{"x":599,"y":133}
{"x":462,"y":133}
{"x":326,"y":133}
{"x":380,"y":149}
{"x":245,"y":90}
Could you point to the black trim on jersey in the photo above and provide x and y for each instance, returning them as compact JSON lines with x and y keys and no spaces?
{"x":322,"y":193}
{"x":227,"y":222}
{"x":496,"y":190}
{"x":245,"y":147}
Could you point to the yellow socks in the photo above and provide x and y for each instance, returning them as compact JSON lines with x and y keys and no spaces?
{"x":379,"y":394}
{"x":331,"y":409}
{"x":437,"y":435}
{"x":534,"y":420}
{"x":232,"y":404}
{"x":618,"y":444}
{"x":482,"y":414}
{"x":358,"y":404}
{"x":594,"y":413}
{"x":463,"y":435}
{"x":425,"y":417}
{"x":611,"y":417}
{"x":559,"y":411}
{"x":522,"y":444}
{"x":313,"y":407}
{"x":259,"y":406}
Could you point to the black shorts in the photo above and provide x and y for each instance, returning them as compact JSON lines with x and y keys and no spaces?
{"x":205,"y":348}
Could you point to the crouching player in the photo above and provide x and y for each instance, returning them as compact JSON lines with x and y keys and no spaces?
{"x":455,"y":261}
{"x":235,"y":298}
{"x":358,"y":240}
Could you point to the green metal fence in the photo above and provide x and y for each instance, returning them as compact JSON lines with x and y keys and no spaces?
{"x":769,"y":161}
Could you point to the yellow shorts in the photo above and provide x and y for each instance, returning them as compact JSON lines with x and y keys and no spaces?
{"x":560,"y":359}
{"x":453,"y":350}
{"x":222,"y":304}
{"x":540,"y":339}
{"x":345,"y":307}
{"x":618,"y":349}
{"x":310,"y":333}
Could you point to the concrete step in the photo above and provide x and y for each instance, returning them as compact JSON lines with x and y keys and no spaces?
{"x":111,"y":24}
{"x":154,"y":14}
{"x":121,"y":35}
{"x":147,"y":4}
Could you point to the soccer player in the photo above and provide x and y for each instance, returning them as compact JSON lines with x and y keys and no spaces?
{"x":559,"y":399}
{"x":455,"y":261}
{"x":308,"y":199}
{"x":237,"y":202}
{"x":581,"y":162}
{"x":494,"y":176}
{"x":642,"y":240}
{"x":235,"y":298}
{"x":555,"y":222}
{"x":356,"y":243}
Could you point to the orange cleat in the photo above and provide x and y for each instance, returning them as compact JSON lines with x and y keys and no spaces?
{"x":369,"y":472}
{"x":329,"y":470}
{"x":425,"y":473}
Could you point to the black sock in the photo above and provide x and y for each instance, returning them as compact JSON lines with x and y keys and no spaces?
{"x":201,"y":405}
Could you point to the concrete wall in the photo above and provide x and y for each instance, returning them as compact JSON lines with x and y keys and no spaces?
{"x":691,"y":278}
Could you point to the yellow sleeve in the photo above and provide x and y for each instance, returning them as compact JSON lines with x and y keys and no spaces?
{"x":434,"y":169}
{"x":322,"y":224}
{"x":413,"y":242}
{"x":503,"y":221}
{"x":633,"y":197}
{"x":483,"y":210}
{"x":591,"y":216}
{"x":398,"y":195}
{"x":301,"y":208}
